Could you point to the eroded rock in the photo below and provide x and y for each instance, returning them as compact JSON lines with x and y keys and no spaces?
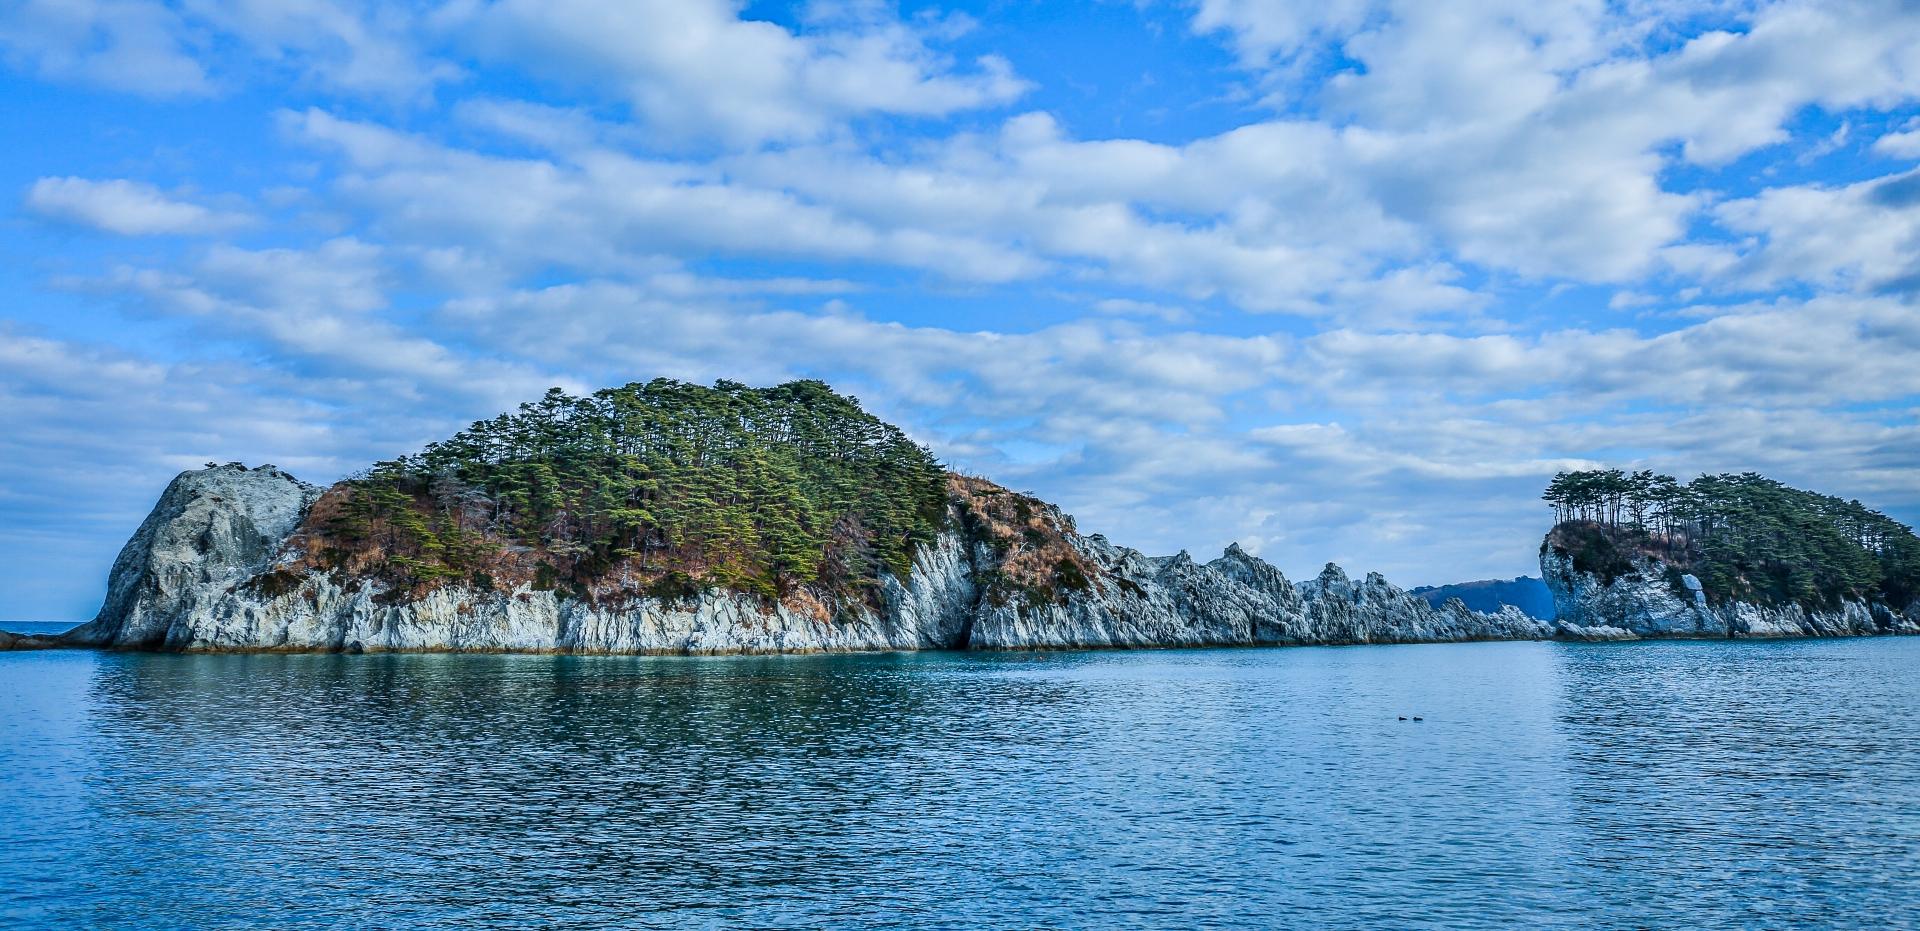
{"x":1647,"y":603}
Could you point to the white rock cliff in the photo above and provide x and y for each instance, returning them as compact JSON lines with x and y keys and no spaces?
{"x":1643,"y":604}
{"x":188,"y":580}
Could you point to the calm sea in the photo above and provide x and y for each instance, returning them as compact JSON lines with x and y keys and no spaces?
{"x":1670,"y":785}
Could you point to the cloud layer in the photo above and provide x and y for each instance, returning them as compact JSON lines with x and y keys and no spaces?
{"x":1431,"y":254}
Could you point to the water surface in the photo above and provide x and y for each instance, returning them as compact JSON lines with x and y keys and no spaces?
{"x":1706,"y":784}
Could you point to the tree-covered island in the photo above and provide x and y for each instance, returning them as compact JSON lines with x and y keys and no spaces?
{"x":665,"y":485}
{"x":1744,"y":536}
{"x":664,"y":489}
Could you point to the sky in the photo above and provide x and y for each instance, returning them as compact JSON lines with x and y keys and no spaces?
{"x":1339,"y":280}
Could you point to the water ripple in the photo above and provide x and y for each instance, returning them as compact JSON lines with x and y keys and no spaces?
{"x":1753,"y":785}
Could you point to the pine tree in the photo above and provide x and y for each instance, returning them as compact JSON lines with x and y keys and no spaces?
{"x":1745,"y":535}
{"x":755,"y":489}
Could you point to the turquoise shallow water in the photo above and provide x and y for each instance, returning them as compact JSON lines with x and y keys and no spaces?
{"x":1758,"y":785}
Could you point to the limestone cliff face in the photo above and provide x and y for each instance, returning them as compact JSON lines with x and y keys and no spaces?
{"x":209,"y":570}
{"x":211,"y":530}
{"x":1644,"y":604}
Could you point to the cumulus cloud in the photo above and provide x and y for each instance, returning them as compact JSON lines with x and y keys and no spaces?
{"x":129,"y":45}
{"x":1261,"y":29}
{"x":606,"y":210}
{"x":129,"y":208}
{"x":1542,"y":151}
{"x":347,"y":45}
{"x":696,"y":69}
{"x":1899,"y":145}
{"x":1859,"y":236}
{"x":318,"y":313}
{"x":201,"y":47}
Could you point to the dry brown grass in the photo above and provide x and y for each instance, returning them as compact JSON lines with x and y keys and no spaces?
{"x":1037,"y":561}
{"x":317,"y":545}
{"x":1031,"y":536}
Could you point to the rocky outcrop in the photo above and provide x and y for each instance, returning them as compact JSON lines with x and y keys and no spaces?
{"x":1236,"y":599}
{"x":13,"y":641}
{"x":212,"y":529}
{"x":1653,"y":601}
{"x":212,"y":569}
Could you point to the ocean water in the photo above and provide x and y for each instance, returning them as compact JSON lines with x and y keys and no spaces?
{"x":1667,"y":785}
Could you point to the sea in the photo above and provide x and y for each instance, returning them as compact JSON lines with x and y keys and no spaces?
{"x":1497,"y":785}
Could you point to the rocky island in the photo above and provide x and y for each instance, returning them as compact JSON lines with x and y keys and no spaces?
{"x":665,"y":517}
{"x":1643,"y":556}
{"x":672,"y":518}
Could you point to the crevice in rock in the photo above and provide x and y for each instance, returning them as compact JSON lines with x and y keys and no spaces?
{"x":964,"y":639}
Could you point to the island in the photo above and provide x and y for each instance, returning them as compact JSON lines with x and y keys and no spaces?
{"x":1642,"y":555}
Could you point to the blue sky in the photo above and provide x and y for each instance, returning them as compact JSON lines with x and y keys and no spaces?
{"x":1344,"y":280}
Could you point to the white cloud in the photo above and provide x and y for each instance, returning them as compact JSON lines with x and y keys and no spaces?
{"x":695,"y":69}
{"x":345,"y":45}
{"x":609,"y":211}
{"x":1903,"y":144}
{"x":1263,"y":28}
{"x":318,"y":312}
{"x":1827,"y":351}
{"x":1085,"y":367}
{"x":130,"y":208}
{"x":1128,"y":307}
{"x":1859,"y":236}
{"x":128,"y":45}
{"x":555,"y":129}
{"x":200,"y":47}
{"x":1534,"y":137}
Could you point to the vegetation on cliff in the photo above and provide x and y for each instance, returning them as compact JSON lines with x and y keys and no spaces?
{"x":1035,"y":561}
{"x":659,"y":488}
{"x":1746,"y":537}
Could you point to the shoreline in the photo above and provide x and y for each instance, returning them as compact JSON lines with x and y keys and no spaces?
{"x":11,"y":642}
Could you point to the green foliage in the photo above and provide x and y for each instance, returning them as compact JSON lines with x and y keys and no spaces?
{"x":752,"y":489}
{"x":1745,"y":536}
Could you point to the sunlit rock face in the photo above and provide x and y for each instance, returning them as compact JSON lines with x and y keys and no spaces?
{"x":194,"y":578}
{"x":211,"y":530}
{"x":1652,"y":602}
